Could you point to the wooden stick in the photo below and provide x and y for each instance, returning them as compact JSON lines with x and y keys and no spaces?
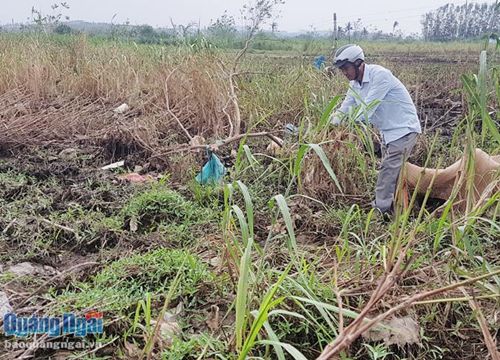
{"x":167,"y":101}
{"x":348,"y":337}
{"x":215,"y":146}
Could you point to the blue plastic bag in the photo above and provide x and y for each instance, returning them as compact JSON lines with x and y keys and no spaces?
{"x":319,"y":62}
{"x":212,"y":172}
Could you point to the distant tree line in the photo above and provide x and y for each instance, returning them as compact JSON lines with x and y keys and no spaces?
{"x":448,"y":22}
{"x":458,"y":22}
{"x":356,"y":30}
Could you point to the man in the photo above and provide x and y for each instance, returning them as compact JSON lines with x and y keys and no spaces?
{"x":385,"y":103}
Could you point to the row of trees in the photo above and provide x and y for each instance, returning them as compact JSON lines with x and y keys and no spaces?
{"x":449,"y":22}
{"x":456,"y":22}
{"x":356,"y":30}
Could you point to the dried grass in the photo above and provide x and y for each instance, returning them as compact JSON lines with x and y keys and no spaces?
{"x":65,"y":92}
{"x":345,"y":152}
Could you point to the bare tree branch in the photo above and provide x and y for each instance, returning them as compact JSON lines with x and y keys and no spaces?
{"x":167,"y":101}
{"x":215,"y":146}
{"x":360,"y":325}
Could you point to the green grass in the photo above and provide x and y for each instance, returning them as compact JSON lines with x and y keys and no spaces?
{"x":159,"y":204}
{"x":122,"y":283}
{"x":194,"y":346}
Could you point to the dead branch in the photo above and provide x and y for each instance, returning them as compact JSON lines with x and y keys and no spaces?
{"x":62,"y":227}
{"x":360,"y":325}
{"x":257,"y":14}
{"x":232,"y":84}
{"x":235,"y":138}
{"x":488,"y":339}
{"x":233,"y":97}
{"x":167,"y":101}
{"x":215,"y":146}
{"x":60,"y":275}
{"x":224,"y":110}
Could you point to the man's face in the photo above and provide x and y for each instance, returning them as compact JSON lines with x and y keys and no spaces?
{"x":349,"y":70}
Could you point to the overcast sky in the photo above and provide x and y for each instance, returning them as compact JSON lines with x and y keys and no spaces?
{"x":294,"y":14}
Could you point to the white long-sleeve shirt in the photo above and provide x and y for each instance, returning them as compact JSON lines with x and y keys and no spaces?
{"x":395,"y":114}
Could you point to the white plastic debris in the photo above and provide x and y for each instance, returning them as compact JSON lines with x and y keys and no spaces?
{"x":27,"y":268}
{"x":169,"y":326}
{"x":69,"y":153}
{"x":114,"y":165}
{"x":274,"y":148}
{"x":197,"y":140}
{"x":5,"y":306}
{"x":399,"y":331}
{"x":123,"y":108}
{"x":21,"y":108}
{"x":21,"y":269}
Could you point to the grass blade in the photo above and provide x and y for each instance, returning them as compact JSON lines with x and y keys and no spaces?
{"x":285,"y":211}
{"x":261,"y":316}
{"x":296,"y":354}
{"x":274,"y":338}
{"x":243,"y":224}
{"x":248,"y":206}
{"x":325,"y":116}
{"x":241,"y":295}
{"x":303,"y":150}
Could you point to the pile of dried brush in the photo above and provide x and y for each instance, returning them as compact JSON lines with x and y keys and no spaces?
{"x":349,"y":161}
{"x":53,"y":93}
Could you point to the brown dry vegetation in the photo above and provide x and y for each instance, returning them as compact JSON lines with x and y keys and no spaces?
{"x":42,"y":79}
